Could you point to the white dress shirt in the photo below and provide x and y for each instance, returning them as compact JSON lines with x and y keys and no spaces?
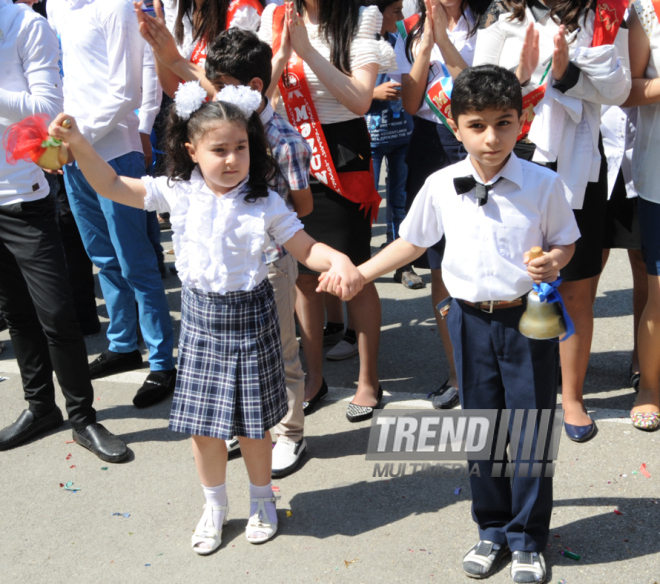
{"x":219,"y":241}
{"x":566,"y":127}
{"x":485,"y":245}
{"x":102,"y":53}
{"x":366,"y":49}
{"x":464,"y":45}
{"x":646,"y":160}
{"x":618,"y":127}
{"x":30,"y":84}
{"x":152,"y":92}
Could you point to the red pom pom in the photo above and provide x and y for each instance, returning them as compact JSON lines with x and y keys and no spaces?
{"x":22,"y":141}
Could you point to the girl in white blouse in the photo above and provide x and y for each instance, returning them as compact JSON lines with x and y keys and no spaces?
{"x":180,"y":36}
{"x":334,"y":47}
{"x":581,"y":63}
{"x":644,"y":26}
{"x":231,"y":375}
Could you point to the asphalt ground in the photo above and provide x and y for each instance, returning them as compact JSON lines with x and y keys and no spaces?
{"x":338,"y":523}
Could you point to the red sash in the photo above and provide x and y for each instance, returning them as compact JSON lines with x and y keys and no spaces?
{"x":357,"y":186}
{"x":608,"y":19}
{"x":199,"y":54}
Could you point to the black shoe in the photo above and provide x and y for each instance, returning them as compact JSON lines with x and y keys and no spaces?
{"x":483,"y":559}
{"x":157,"y":386}
{"x":109,"y":363}
{"x":409,"y":278}
{"x":355,"y":413}
{"x":99,"y":441}
{"x":310,"y":406}
{"x":444,"y":398}
{"x":28,"y":425}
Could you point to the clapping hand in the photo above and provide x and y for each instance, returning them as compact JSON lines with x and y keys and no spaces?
{"x":298,"y":35}
{"x":154,"y":30}
{"x":436,"y":13}
{"x":560,"y":55}
{"x":529,"y":55}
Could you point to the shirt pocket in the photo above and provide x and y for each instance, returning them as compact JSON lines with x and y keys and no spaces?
{"x":515,"y":235}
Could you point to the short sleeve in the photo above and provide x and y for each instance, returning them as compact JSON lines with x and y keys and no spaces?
{"x":367,"y":47}
{"x":282,"y":223}
{"x":266,"y":28}
{"x":246,"y":18}
{"x":558,"y":222}
{"x":423,"y":224}
{"x":402,"y":62}
{"x":160,"y":195}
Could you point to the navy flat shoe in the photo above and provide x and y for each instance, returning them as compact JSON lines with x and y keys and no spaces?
{"x":580,"y":433}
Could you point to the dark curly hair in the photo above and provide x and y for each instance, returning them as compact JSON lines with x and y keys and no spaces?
{"x":567,"y":12}
{"x":477,"y":7}
{"x":179,"y":166}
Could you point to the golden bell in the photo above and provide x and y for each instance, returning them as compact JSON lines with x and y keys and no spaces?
{"x":53,"y":158}
{"x":541,"y":320}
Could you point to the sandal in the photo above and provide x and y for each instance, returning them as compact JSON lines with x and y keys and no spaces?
{"x":259,"y":522}
{"x":634,"y":379}
{"x":206,"y":532}
{"x":484,"y":558}
{"x":528,"y":567}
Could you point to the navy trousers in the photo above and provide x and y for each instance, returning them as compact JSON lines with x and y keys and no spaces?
{"x":499,"y":368}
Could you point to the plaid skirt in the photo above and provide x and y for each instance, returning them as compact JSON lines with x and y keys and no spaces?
{"x":231,"y":374}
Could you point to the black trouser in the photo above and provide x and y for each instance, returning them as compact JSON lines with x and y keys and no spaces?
{"x":35,"y":298}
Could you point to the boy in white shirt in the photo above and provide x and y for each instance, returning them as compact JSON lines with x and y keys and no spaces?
{"x":493,"y":207}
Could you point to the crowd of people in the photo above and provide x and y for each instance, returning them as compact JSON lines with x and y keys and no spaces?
{"x":257,"y":131}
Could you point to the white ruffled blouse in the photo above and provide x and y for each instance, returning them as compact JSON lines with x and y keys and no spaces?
{"x":219,"y":241}
{"x":366,"y":48}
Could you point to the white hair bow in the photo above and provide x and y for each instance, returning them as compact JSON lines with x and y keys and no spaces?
{"x":189,"y":98}
{"x":243,"y":97}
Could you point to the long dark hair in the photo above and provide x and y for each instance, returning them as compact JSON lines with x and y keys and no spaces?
{"x":477,"y":7}
{"x":208,"y":22}
{"x":338,"y":23}
{"x":179,"y":166}
{"x":567,"y":12}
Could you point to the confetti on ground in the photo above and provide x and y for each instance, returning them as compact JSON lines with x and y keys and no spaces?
{"x":106,"y":468}
{"x":645,"y":472}
{"x":562,"y":581}
{"x":557,"y":535}
{"x":68,"y":456}
{"x":635,"y":472}
{"x":159,"y":555}
{"x":126,"y":515}
{"x":617,"y":512}
{"x":289,"y":513}
{"x":457,"y":491}
{"x":61,"y":484}
{"x":347,"y":562}
{"x":276,"y":489}
{"x":624,"y":476}
{"x":4,"y":378}
{"x":73,"y":466}
{"x":70,"y":442}
{"x":571,"y":555}
{"x":147,"y":564}
{"x":69,"y":487}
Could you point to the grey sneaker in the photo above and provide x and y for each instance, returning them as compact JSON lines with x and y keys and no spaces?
{"x":528,"y":567}
{"x":484,"y":558}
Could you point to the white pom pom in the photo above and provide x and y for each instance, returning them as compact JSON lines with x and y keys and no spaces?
{"x":246,"y":99}
{"x":189,"y":98}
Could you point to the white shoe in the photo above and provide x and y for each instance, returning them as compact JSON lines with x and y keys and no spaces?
{"x":342,"y":350}
{"x":207,"y":533}
{"x":232,"y":445}
{"x":259,"y":528}
{"x":286,"y":455}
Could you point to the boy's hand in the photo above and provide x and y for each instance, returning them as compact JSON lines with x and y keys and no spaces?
{"x":390,"y":91}
{"x":343,"y":279}
{"x":68,"y":135}
{"x":543,"y":269}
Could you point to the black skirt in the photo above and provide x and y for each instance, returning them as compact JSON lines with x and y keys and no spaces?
{"x":432,"y":147}
{"x":622,"y":220}
{"x":336,"y":221}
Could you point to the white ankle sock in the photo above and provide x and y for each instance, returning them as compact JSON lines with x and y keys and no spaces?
{"x":263,"y":493}
{"x":217,"y":496}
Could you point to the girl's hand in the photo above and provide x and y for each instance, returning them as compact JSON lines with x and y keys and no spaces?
{"x":543,"y":269}
{"x":298,"y":35}
{"x":343,"y":279}
{"x":154,"y":30}
{"x":529,"y":55}
{"x":286,"y":49}
{"x":428,"y":39}
{"x":560,"y":58}
{"x":436,"y":12}
{"x":390,"y":91}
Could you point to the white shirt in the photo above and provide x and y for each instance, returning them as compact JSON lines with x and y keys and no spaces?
{"x":246,"y":18}
{"x":409,"y":8}
{"x":464,"y":45}
{"x":365,"y":49}
{"x":566,"y":127}
{"x":485,"y":245}
{"x":102,"y":53}
{"x":30,"y":85}
{"x":646,"y":163}
{"x":219,"y":241}
{"x":618,"y":127}
{"x":152,"y":92}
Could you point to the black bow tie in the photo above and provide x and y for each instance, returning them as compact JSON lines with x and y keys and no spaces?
{"x":464,"y":184}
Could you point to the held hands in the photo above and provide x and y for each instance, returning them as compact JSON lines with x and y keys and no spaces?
{"x":298,"y":36}
{"x":390,"y":91}
{"x":542,"y":269}
{"x":560,"y":55}
{"x":156,"y":33}
{"x":529,"y":55}
{"x":343,"y":280}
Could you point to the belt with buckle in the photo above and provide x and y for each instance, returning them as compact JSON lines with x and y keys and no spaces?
{"x":490,"y":305}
